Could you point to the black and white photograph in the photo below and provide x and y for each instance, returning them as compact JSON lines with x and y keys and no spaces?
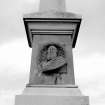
{"x":52,"y":52}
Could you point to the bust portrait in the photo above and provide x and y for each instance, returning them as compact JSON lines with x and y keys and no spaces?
{"x":52,"y":62}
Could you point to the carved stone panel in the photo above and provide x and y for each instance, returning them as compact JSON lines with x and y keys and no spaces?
{"x":51,"y":63}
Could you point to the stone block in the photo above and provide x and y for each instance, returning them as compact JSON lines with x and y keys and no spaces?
{"x":51,"y":96}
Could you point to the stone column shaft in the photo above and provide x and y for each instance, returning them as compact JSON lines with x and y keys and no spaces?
{"x":57,"y":5}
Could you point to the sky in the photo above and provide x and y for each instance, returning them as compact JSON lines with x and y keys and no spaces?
{"x":89,"y":53}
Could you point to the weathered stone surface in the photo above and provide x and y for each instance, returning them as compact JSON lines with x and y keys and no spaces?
{"x":57,"y":5}
{"x":51,"y":96}
{"x":71,"y":90}
{"x":63,"y":72}
{"x":53,"y":14}
{"x":52,"y":33}
{"x":51,"y":100}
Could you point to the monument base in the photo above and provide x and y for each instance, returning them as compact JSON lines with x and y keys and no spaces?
{"x":51,"y":96}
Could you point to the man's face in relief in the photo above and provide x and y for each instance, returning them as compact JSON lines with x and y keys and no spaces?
{"x":52,"y":52}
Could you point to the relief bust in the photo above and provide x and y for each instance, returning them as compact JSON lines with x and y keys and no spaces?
{"x":52,"y":63}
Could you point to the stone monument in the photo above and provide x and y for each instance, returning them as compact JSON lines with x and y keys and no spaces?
{"x":52,"y":33}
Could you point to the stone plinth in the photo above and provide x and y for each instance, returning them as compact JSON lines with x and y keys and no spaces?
{"x":51,"y":96}
{"x":42,"y":40}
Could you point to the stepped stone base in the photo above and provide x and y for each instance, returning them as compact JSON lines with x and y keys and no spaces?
{"x":51,"y":96}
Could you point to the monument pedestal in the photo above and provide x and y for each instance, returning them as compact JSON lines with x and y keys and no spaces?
{"x":51,"y":96}
{"x":52,"y":33}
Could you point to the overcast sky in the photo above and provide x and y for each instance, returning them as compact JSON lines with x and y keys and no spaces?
{"x":89,"y":54}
